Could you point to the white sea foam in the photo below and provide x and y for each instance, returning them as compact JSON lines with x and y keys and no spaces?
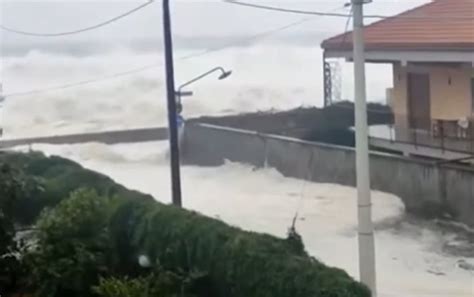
{"x":264,"y":77}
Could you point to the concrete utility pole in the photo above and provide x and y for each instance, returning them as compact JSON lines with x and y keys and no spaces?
{"x":366,"y":229}
{"x":172,"y":116}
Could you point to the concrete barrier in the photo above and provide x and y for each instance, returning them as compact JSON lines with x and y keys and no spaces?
{"x":425,"y":187}
{"x":108,"y":137}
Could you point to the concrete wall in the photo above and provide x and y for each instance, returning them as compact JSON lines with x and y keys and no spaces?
{"x":400,"y":101}
{"x":424,"y":187}
{"x":109,"y":137}
{"x":400,"y":92}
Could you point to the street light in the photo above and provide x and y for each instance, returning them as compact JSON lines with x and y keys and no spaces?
{"x":224,"y":74}
{"x":178,"y":94}
{"x":171,"y":100}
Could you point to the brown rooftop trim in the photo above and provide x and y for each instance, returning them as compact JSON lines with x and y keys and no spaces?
{"x":438,"y":25}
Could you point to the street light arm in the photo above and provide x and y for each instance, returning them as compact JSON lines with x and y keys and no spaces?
{"x":200,"y":77}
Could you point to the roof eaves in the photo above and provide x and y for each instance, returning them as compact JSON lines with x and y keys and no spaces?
{"x":348,"y":35}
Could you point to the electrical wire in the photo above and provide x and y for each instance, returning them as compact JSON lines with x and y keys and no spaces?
{"x":288,"y":10}
{"x":256,"y":36}
{"x":334,"y":14}
{"x":247,"y":39}
{"x":83,"y":82}
{"x":346,"y":29}
{"x":99,"y":25}
{"x":182,"y":58}
{"x":304,"y":181}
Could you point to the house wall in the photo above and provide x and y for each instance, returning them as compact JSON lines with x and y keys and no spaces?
{"x":450,"y":91}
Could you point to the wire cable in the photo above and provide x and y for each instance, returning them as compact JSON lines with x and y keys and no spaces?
{"x":83,"y":82}
{"x":247,"y":39}
{"x":334,"y":14}
{"x":307,"y":178}
{"x":256,"y":36}
{"x":346,"y":29}
{"x":288,"y":10}
{"x":182,"y":58}
{"x":99,"y":25}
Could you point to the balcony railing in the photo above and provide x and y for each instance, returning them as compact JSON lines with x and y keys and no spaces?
{"x":453,"y":135}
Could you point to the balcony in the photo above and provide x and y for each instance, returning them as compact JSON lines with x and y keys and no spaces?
{"x":443,"y":139}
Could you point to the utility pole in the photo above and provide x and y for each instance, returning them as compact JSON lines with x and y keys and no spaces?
{"x":172,"y":116}
{"x":366,"y":229}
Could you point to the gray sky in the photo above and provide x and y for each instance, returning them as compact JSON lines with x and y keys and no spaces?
{"x":191,"y":19}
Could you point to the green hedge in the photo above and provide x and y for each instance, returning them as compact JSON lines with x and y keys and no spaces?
{"x":56,"y":178}
{"x":71,"y":247}
{"x":238,"y":263}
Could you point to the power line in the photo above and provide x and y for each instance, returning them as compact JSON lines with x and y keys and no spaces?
{"x":246,"y":39}
{"x":83,"y":82}
{"x":334,"y":14}
{"x":332,"y":71}
{"x":288,"y":10}
{"x":346,"y":29}
{"x":256,"y":36}
{"x":99,"y":25}
{"x":182,"y":58}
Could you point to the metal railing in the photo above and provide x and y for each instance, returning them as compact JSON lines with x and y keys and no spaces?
{"x":453,"y":135}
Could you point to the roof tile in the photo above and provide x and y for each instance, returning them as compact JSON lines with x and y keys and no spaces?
{"x":438,"y":25}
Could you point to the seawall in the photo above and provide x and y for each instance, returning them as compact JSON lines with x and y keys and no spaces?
{"x":426,"y":187}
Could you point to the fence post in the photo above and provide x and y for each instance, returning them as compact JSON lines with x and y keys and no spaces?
{"x":414,"y":132}
{"x":441,"y":133}
{"x":390,"y":127}
{"x":470,"y":135}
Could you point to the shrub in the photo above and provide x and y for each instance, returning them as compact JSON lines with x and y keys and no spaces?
{"x":239,"y":263}
{"x":56,"y":178}
{"x":10,"y":190}
{"x":14,"y":187}
{"x":72,"y":246}
{"x":125,"y":287}
{"x":159,"y":283}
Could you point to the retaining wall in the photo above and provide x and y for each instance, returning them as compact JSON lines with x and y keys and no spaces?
{"x":425,"y":187}
{"x":108,"y":137}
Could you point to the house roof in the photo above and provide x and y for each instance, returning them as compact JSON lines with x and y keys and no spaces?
{"x":441,"y":25}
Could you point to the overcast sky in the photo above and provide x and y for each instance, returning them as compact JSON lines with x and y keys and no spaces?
{"x":191,"y":18}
